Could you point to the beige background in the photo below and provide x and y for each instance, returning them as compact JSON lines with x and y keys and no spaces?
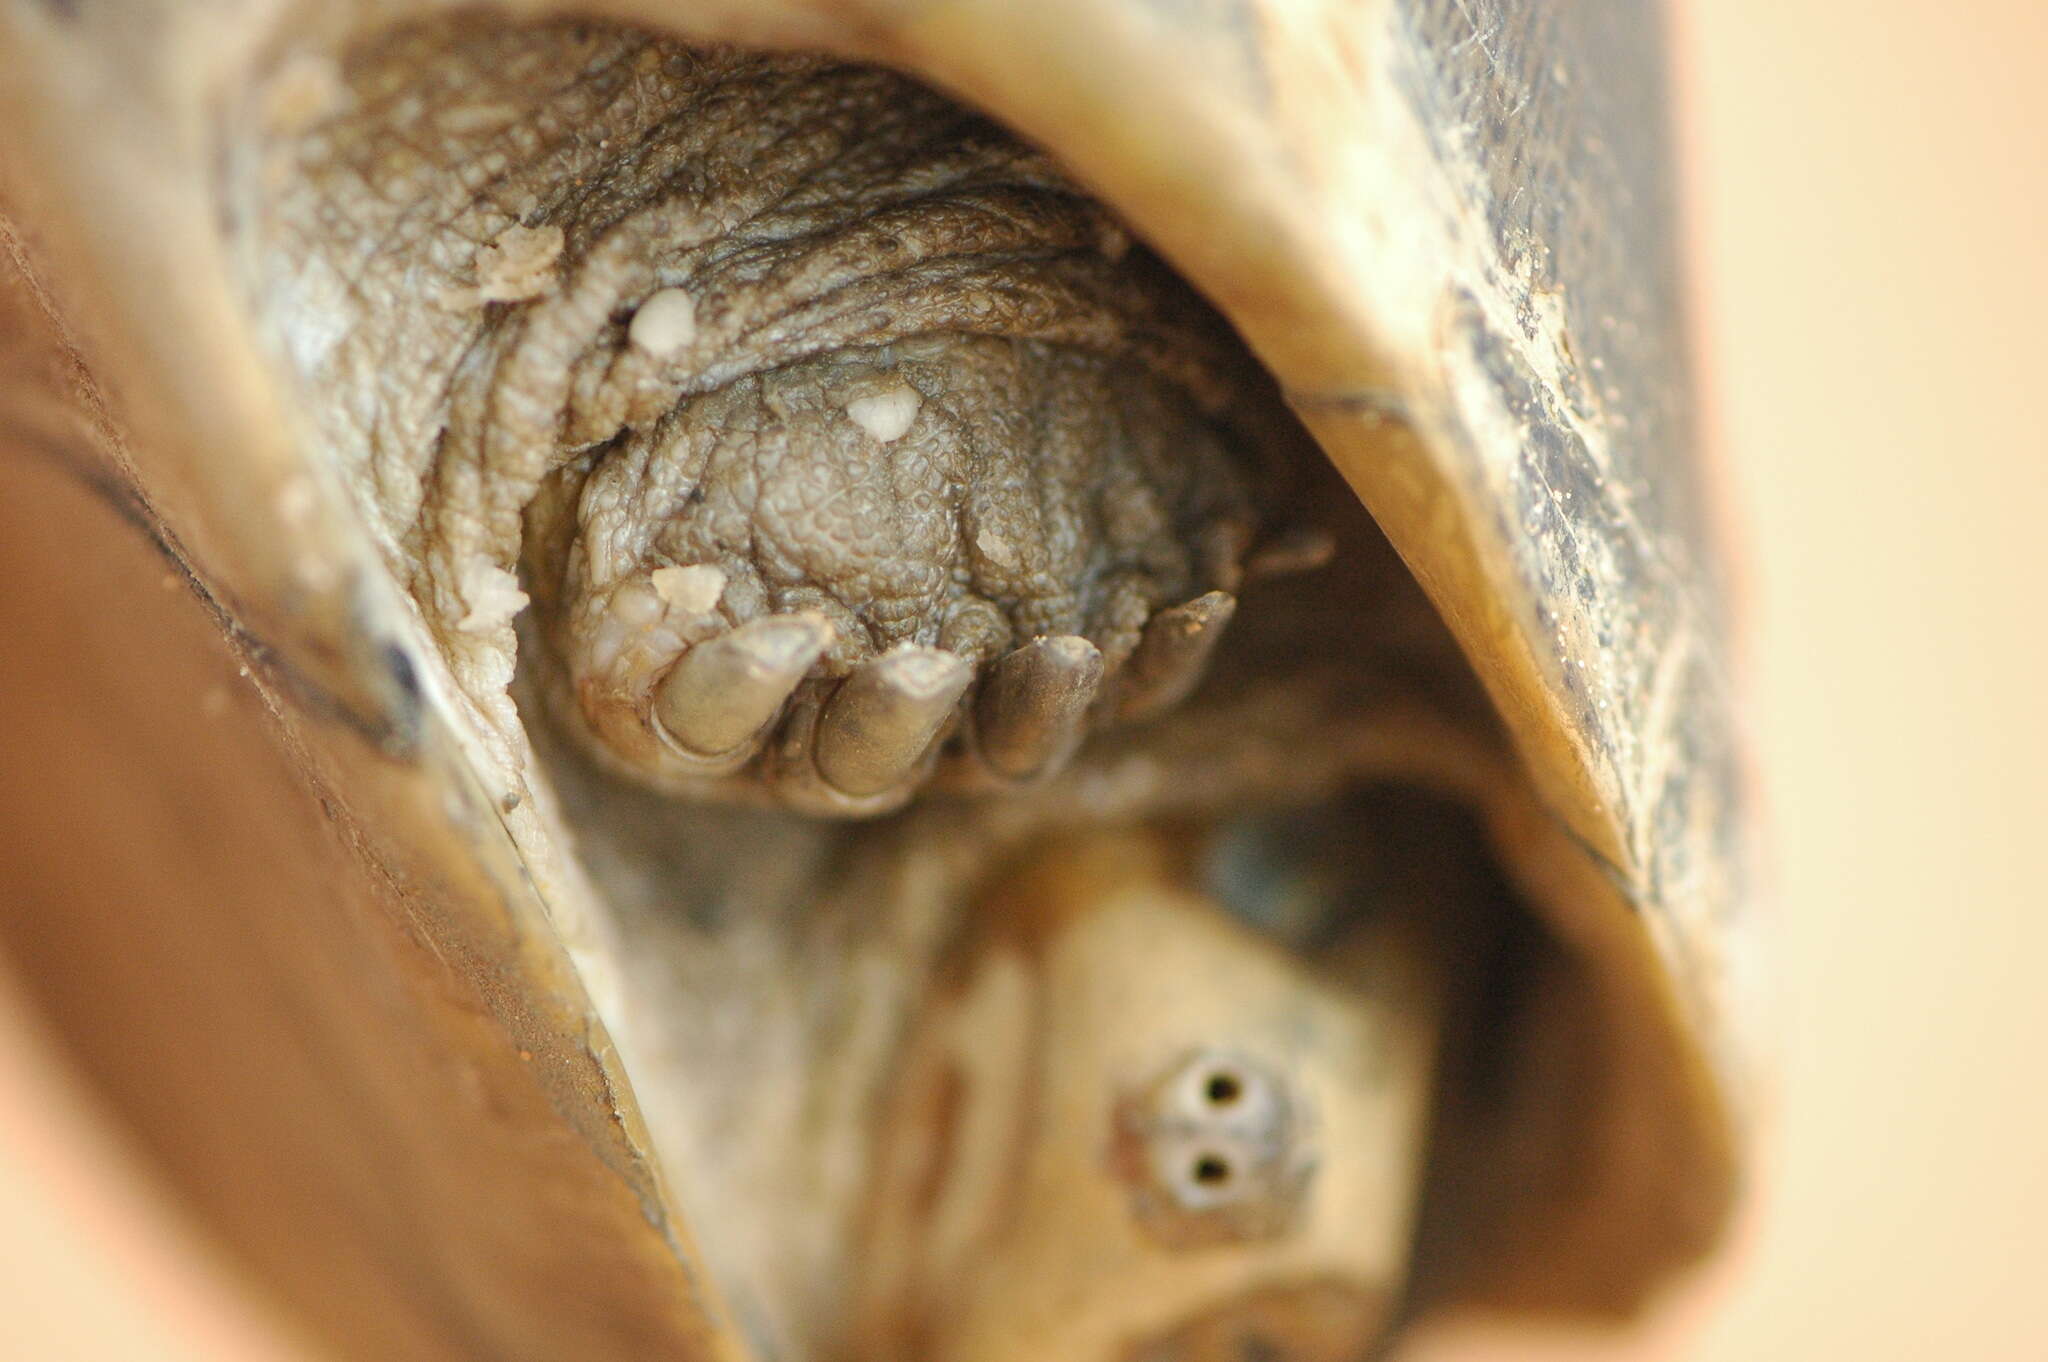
{"x":1869,"y":186}
{"x":1868,"y":189}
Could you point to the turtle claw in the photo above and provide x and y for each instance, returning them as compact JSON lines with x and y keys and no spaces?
{"x":720,"y":699}
{"x":773,"y":708}
{"x":1033,"y":708}
{"x":1171,"y":658}
{"x":878,"y":727}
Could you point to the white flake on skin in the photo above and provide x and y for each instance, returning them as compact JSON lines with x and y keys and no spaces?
{"x":693,"y":590}
{"x":492,"y":595}
{"x":665,"y":323}
{"x":519,"y":264}
{"x":886,"y":415}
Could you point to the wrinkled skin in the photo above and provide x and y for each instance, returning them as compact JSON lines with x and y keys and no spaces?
{"x":914,"y":389}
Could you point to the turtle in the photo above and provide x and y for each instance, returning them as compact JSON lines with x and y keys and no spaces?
{"x":829,"y":679}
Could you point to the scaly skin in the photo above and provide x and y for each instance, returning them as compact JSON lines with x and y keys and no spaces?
{"x":693,"y":341}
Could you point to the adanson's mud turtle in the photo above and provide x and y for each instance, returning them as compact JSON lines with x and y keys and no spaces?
{"x":856,"y":679}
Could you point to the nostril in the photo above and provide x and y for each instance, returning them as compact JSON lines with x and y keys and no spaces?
{"x":1224,"y":1088}
{"x":1218,"y":1149}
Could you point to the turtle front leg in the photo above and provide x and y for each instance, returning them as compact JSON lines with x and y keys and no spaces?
{"x":826,"y":583}
{"x":839,"y":441}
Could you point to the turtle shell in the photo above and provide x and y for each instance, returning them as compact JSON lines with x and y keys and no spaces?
{"x":1444,"y":229}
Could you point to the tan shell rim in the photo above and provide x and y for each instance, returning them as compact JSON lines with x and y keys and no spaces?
{"x":1334,"y":255}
